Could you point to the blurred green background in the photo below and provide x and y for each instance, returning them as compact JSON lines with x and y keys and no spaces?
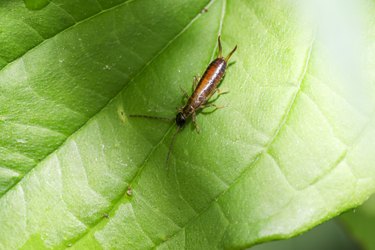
{"x":353,"y":230}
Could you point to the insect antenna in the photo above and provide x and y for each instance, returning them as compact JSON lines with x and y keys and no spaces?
{"x":171,"y":146}
{"x":166,"y":119}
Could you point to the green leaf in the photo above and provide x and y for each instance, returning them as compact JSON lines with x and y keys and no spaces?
{"x":361,"y":223}
{"x":293,"y":147}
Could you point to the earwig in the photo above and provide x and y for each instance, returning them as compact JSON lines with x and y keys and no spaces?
{"x":204,"y":89}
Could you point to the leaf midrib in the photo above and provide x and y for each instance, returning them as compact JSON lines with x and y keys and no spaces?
{"x":142,"y":165}
{"x":265,"y":150}
{"x":106,"y":104}
{"x":80,"y":127}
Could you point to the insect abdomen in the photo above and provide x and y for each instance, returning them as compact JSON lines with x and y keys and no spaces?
{"x":207,"y":84}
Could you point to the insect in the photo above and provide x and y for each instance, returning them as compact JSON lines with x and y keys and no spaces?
{"x":204,"y":89}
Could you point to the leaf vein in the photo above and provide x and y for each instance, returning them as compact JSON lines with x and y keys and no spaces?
{"x":278,"y":129}
{"x":116,"y":203}
{"x":63,"y":30}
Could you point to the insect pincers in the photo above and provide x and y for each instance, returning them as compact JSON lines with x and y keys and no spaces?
{"x":204,"y":89}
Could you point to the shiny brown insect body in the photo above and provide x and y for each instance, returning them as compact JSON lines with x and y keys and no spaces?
{"x":206,"y":87}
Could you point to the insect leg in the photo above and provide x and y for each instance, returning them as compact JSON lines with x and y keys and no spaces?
{"x":195,"y":82}
{"x":218,"y":93}
{"x":208,"y":105}
{"x":185,"y":93}
{"x":194,"y":119}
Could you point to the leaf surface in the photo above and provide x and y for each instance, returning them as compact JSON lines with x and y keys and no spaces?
{"x":293,"y":147}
